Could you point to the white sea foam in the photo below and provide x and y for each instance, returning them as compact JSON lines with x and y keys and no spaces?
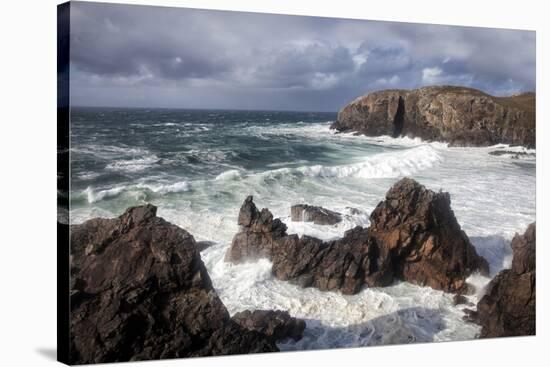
{"x":175,"y":187}
{"x":382,"y":165}
{"x":108,"y":151}
{"x":403,"y":313}
{"x":94,"y":196}
{"x":134,"y":164}
{"x":231,"y":174}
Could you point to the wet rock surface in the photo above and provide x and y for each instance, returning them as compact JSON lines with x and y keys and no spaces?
{"x":420,"y":239}
{"x":315,"y":214}
{"x":258,"y":235}
{"x":414,"y":236}
{"x":277,"y":325}
{"x":458,"y":115}
{"x":139,"y":290}
{"x":509,"y":306}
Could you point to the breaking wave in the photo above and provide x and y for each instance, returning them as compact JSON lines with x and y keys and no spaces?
{"x":383,"y":165}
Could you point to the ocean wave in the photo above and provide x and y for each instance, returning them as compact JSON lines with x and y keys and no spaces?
{"x":109,"y":151}
{"x":229,"y":175}
{"x":383,"y":165}
{"x":93,"y":196}
{"x":176,"y":187}
{"x":510,"y":148}
{"x":207,"y":155}
{"x":133,"y":165}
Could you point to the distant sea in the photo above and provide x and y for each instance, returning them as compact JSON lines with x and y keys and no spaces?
{"x":198,"y":166}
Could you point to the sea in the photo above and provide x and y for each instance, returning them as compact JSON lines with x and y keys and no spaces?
{"x":198,"y":166}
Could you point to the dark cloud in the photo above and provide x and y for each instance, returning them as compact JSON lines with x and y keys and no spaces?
{"x":173,"y":57}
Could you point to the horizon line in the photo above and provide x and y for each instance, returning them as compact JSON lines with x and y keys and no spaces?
{"x":201,"y":109}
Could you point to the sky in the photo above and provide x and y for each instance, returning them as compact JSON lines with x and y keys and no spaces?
{"x":144,"y":56}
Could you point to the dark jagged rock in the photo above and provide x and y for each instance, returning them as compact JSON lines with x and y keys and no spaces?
{"x":414,"y":236}
{"x":310,"y":262}
{"x":458,"y":115}
{"x":258,"y":234}
{"x":315,"y":214}
{"x":203,"y":245}
{"x":509,"y":306}
{"x":139,"y":290}
{"x":460,"y":299}
{"x":278,"y":325}
{"x":420,"y":238}
{"x":232,"y":338}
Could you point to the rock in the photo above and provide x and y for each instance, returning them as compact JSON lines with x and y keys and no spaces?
{"x":508,"y":307}
{"x":470,"y":315}
{"x":203,"y":245}
{"x":460,"y":299}
{"x":413,"y":236}
{"x":278,"y":325}
{"x":257,"y":235}
{"x":333,"y":265}
{"x":512,"y":154}
{"x":139,"y":290}
{"x":419,"y":239}
{"x":315,"y":214}
{"x":458,"y":115}
{"x":232,"y":338}
{"x":354,"y":211}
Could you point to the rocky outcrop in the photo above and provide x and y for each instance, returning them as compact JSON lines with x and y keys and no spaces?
{"x":315,"y":214}
{"x":458,"y":115}
{"x":139,"y":290}
{"x":258,"y":236}
{"x":419,"y":237}
{"x":277,"y":325}
{"x":509,"y":306}
{"x":413,"y":236}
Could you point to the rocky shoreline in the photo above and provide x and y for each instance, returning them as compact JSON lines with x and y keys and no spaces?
{"x":413,"y":236}
{"x":139,"y":289}
{"x":458,"y":115}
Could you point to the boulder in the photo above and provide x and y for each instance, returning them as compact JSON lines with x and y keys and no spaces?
{"x":458,"y":115}
{"x":139,"y":290}
{"x":277,"y":325}
{"x":315,"y":214}
{"x":419,"y":239}
{"x":414,"y":236}
{"x":508,"y":307}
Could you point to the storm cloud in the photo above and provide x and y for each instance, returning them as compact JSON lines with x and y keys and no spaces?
{"x":124,"y":55}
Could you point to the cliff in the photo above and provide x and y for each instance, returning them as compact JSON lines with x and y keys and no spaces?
{"x":458,"y":115}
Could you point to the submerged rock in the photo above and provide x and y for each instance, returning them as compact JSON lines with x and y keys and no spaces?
{"x":278,"y":325}
{"x":413,"y":236}
{"x":458,"y":115}
{"x":509,"y":306}
{"x":315,"y":214}
{"x":139,"y":290}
